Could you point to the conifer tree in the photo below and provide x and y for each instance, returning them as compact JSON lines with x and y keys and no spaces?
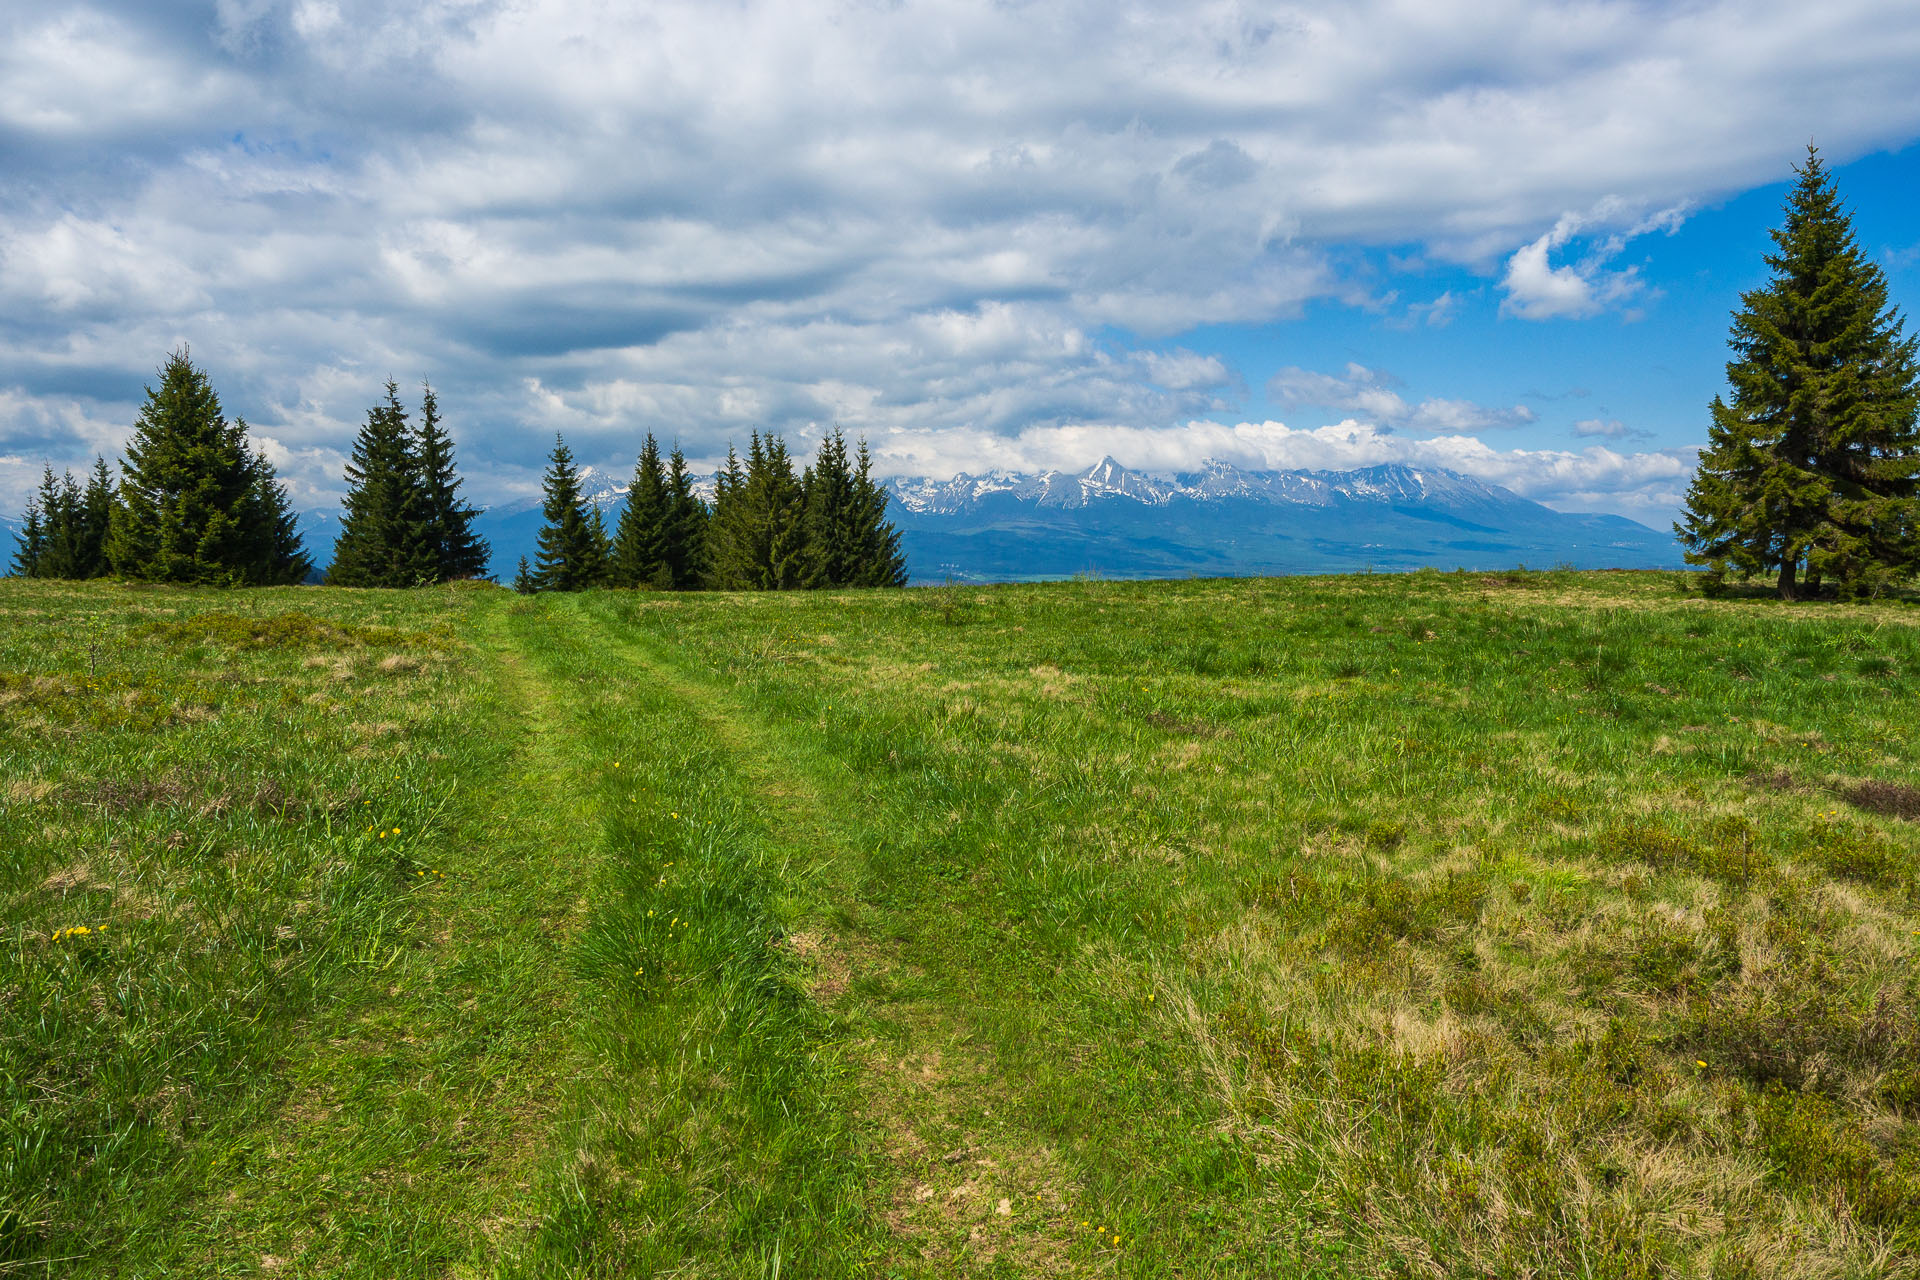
{"x":275,"y":555}
{"x":685,"y":551}
{"x":448,"y":526}
{"x":834,"y":537}
{"x":573,"y":543}
{"x":1816,"y":461}
{"x":728,"y":556}
{"x":66,"y":527}
{"x":31,"y":543}
{"x":187,"y":495}
{"x":882,"y":563}
{"x":96,"y":521}
{"x":383,"y":535}
{"x":640,"y":543}
{"x":60,"y":507}
{"x":775,"y":517}
{"x":523,"y":579}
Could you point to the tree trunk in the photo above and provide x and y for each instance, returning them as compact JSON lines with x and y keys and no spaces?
{"x":1787,"y":570}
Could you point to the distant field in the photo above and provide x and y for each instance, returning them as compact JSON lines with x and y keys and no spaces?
{"x":1517,"y":925}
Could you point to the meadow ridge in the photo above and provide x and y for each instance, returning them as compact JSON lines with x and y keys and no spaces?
{"x":1515,"y":924}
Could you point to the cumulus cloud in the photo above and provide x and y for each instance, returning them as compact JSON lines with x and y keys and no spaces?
{"x":1370,"y":393}
{"x":943,"y":216}
{"x":1609,"y":429}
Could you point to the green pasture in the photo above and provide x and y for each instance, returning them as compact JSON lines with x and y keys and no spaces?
{"x":1430,"y":925}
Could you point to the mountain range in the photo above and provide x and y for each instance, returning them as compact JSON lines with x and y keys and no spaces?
{"x":1224,"y":520}
{"x":1111,"y":521}
{"x":1220,"y":521}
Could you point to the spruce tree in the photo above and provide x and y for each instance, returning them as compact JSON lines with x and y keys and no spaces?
{"x":60,"y":507}
{"x":96,"y":521}
{"x":188,"y":508}
{"x":573,"y":543}
{"x":686,"y":541}
{"x":728,"y":556}
{"x":834,"y":542}
{"x":1816,"y":461}
{"x":448,"y":527}
{"x":31,"y":543}
{"x":882,"y":563}
{"x":523,"y":579}
{"x":776,"y":517}
{"x":275,"y":556}
{"x":640,"y":543}
{"x":384,"y":533}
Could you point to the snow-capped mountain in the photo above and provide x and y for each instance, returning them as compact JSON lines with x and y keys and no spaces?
{"x":1215,"y":481}
{"x":1228,"y":520}
{"x":1219,"y":520}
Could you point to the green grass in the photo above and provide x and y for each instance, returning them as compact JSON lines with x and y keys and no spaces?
{"x":1525,"y":924}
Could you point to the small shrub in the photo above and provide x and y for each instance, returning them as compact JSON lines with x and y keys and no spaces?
{"x":1383,"y":834}
{"x":1861,"y":855}
{"x":1813,"y":1145}
{"x":1394,"y":908}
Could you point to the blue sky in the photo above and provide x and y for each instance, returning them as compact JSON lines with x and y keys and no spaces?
{"x":1501,"y":237}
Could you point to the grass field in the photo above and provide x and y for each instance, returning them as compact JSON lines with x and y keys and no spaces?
{"x":1428,"y":925}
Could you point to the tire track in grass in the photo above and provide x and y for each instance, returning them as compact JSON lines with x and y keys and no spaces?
{"x":709,"y":1130}
{"x":419,"y":1097}
{"x":959,"y":1182}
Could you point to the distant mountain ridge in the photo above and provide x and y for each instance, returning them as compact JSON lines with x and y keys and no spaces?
{"x":1214,"y":482}
{"x":1223,"y":520}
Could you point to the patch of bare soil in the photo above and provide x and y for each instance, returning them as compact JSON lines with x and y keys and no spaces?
{"x":1888,"y":799}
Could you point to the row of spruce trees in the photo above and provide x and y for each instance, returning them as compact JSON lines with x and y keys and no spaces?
{"x":403,"y":522}
{"x":195,"y":502}
{"x":767,"y":530}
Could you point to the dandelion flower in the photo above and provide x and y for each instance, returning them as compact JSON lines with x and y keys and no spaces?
{"x":1698,"y":1063}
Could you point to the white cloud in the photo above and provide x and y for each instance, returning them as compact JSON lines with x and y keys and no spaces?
{"x":1369,"y":392}
{"x":1608,"y":429}
{"x":696,"y":219}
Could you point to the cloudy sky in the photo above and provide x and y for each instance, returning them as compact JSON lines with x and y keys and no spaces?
{"x":1502,"y":237}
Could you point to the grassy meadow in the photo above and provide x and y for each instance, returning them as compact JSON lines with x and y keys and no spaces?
{"x":1529,"y":924}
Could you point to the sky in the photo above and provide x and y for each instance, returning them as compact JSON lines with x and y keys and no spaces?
{"x":1499,"y":237}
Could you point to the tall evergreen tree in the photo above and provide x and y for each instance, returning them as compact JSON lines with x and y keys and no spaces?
{"x":775,"y":518}
{"x":640,"y":543}
{"x":882,"y":563}
{"x":685,"y":550}
{"x":31,"y":542}
{"x":448,"y":527}
{"x":60,"y":505}
{"x":728,"y":554}
{"x":96,"y":521}
{"x":275,"y":556}
{"x":1816,"y":461}
{"x":187,"y":500}
{"x":384,"y":533}
{"x":573,"y":543}
{"x":523,"y":579}
{"x":834,"y":542}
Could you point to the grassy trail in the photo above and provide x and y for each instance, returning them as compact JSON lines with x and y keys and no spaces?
{"x":947,"y":1174}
